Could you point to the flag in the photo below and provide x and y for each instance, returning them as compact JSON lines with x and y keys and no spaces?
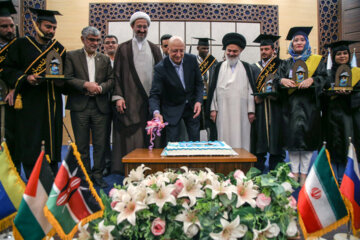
{"x":11,"y":188}
{"x":353,"y":62}
{"x":350,"y":189}
{"x":329,"y":61}
{"x":30,"y":222}
{"x":320,"y":205}
{"x":73,"y":197}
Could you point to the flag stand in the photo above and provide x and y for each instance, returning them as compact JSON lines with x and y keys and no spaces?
{"x":346,"y":236}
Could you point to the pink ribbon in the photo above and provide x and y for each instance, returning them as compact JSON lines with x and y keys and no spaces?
{"x":154,"y":128}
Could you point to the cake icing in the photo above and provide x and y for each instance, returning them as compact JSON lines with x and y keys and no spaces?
{"x":202,"y":148}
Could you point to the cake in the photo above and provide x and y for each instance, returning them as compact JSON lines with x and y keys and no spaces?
{"x":203,"y":148}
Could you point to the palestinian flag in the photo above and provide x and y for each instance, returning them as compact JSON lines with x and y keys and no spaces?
{"x":30,"y":222}
{"x":320,"y":205}
{"x":73,"y":197}
{"x":11,"y":188}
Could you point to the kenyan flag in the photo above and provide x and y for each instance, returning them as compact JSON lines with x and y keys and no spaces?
{"x":72,"y":198}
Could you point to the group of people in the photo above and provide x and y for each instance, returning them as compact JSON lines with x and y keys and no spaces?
{"x":116,"y":93}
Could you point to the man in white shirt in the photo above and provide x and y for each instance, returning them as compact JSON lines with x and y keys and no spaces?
{"x":232,"y":106}
{"x":133,"y":68}
{"x":88,"y":100}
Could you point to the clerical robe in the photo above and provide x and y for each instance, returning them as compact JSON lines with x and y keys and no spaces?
{"x":231,"y":97}
{"x":129,"y":128}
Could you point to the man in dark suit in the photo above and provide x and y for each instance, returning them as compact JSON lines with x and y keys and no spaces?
{"x":89,"y":101}
{"x":177,"y":91}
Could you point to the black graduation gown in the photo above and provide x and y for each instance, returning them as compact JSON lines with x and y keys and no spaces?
{"x":341,"y":115}
{"x":9,"y":117}
{"x":259,"y":138}
{"x":301,"y":122}
{"x":338,"y":124}
{"x":41,"y":115}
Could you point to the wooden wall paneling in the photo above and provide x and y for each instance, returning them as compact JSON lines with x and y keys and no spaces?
{"x":350,"y":27}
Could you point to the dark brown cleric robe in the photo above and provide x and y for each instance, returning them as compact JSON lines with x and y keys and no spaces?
{"x":129,"y":128}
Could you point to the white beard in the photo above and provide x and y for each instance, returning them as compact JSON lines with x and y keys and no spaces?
{"x":232,"y":61}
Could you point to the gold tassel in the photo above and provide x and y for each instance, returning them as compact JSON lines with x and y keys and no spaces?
{"x":18,"y":102}
{"x":37,"y":28}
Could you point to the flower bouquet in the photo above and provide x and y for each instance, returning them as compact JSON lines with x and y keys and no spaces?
{"x":198,"y":205}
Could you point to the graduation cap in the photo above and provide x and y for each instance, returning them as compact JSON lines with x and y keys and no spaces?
{"x":204,"y":41}
{"x":294,"y":31}
{"x":6,"y":8}
{"x":266,"y":39}
{"x":47,"y":15}
{"x":340,"y":43}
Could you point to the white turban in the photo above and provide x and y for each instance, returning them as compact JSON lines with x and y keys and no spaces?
{"x":139,"y":15}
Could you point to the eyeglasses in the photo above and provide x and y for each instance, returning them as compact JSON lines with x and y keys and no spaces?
{"x":93,"y":39}
{"x":110,"y":42}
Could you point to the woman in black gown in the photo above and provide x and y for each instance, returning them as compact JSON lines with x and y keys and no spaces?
{"x":341,"y":112}
{"x":301,"y":103}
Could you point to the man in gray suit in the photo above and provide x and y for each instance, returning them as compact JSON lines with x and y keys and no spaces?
{"x":88,"y":100}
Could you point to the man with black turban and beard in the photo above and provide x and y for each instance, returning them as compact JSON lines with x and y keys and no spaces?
{"x":231,"y":104}
{"x":38,"y":101}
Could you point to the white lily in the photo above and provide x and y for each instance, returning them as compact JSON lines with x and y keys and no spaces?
{"x":136,"y":175}
{"x":207,"y":177}
{"x":171,"y":175}
{"x":270,"y":231}
{"x":138,"y":193}
{"x":192,"y":190}
{"x":287,"y":187}
{"x":127,"y":209}
{"x":83,"y":232}
{"x":220,"y":188}
{"x":231,"y":230}
{"x":292,"y":229}
{"x":116,"y":194}
{"x":191,"y":223}
{"x":161,"y":196}
{"x":104,"y":232}
{"x":157,"y":179}
{"x":246,"y":193}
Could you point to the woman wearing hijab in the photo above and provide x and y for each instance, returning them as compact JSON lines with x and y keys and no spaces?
{"x":301,"y":106}
{"x":341,"y":112}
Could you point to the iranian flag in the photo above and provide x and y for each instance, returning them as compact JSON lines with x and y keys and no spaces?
{"x":30,"y":221}
{"x":320,"y":205}
{"x":73,"y":198}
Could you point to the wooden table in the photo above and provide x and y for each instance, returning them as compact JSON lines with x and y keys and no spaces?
{"x":218,"y":164}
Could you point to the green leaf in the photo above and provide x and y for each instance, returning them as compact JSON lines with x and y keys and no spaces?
{"x":247,"y":215}
{"x":248,"y":235}
{"x":225,"y":201}
{"x":253,"y":172}
{"x":283,"y":223}
{"x":278,"y":190}
{"x":268,"y":180}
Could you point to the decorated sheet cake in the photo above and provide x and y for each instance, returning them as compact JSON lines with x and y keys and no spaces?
{"x":197,"y":149}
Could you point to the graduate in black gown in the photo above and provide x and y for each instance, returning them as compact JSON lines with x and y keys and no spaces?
{"x":341,"y":111}
{"x":38,"y":102}
{"x":301,"y":103}
{"x":266,"y":129}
